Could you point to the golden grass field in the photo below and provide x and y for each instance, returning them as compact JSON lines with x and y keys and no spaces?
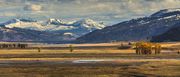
{"x":93,"y":60}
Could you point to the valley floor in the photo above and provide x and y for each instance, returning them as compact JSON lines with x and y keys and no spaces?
{"x":93,"y":62}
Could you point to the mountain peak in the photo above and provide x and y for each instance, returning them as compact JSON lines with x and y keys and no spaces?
{"x":89,"y":23}
{"x":87,"y":20}
{"x":27,"y":20}
{"x":167,"y":12}
{"x":11,"y":21}
{"x":54,"y":21}
{"x":136,"y":29}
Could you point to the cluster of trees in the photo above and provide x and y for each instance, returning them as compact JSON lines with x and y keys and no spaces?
{"x":125,"y":46}
{"x":147,"y":48}
{"x":13,"y":45}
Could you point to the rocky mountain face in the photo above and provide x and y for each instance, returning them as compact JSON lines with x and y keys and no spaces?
{"x":136,"y":29}
{"x":27,"y":29}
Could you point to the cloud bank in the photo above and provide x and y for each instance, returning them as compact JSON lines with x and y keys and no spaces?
{"x":109,"y":11}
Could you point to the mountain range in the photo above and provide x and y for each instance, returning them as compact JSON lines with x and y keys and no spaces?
{"x":160,"y":26}
{"x":28,"y":29}
{"x":136,"y":29}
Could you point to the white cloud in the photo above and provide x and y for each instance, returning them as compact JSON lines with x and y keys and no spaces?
{"x":33,"y":7}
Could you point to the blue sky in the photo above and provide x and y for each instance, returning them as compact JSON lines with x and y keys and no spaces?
{"x":108,"y":11}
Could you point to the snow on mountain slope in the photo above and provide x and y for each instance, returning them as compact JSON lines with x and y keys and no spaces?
{"x":58,"y":22}
{"x":53,"y":25}
{"x":18,"y":23}
{"x":25,"y":25}
{"x":67,"y":30}
{"x":135,"y":29}
{"x":166,"y":12}
{"x":89,"y":24}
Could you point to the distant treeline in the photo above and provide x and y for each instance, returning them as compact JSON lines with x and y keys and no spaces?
{"x":48,"y":42}
{"x":13,"y":45}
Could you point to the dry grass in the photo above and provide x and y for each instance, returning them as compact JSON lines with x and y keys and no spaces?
{"x":162,"y":68}
{"x":48,"y":51}
{"x":37,"y":59}
{"x":163,"y":65}
{"x":142,"y":68}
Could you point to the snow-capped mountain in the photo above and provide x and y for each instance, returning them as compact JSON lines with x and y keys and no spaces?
{"x":85,"y":26}
{"x":53,"y":24}
{"x":18,"y":23}
{"x":34,"y":25}
{"x":88,"y":24}
{"x":18,"y":20}
{"x":136,"y":29}
{"x":58,"y":22}
{"x":66,"y":30}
